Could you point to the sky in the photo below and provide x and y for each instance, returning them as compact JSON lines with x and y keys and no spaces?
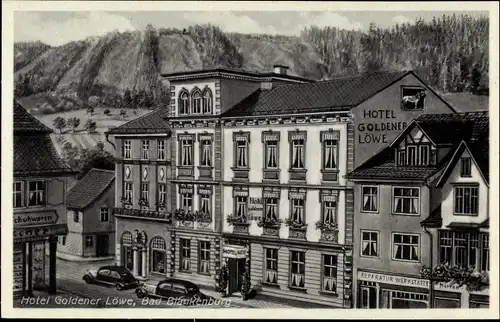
{"x":59,"y":27}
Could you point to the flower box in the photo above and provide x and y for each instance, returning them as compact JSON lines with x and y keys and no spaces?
{"x":183,"y":215}
{"x":203,"y":217}
{"x":269,"y":222}
{"x":469,"y":276}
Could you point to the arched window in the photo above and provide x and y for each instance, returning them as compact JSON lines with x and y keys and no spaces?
{"x":127,"y":254}
{"x":196,"y":97}
{"x":207,"y":101}
{"x":158,"y":255}
{"x":184,"y":102}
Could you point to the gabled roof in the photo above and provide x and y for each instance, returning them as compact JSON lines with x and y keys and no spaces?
{"x":337,"y":94}
{"x":152,"y":122}
{"x":86,"y":191}
{"x":25,"y":122}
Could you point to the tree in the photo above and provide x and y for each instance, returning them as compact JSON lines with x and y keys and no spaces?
{"x":123,"y":113}
{"x":107,"y":112}
{"x":127,"y":98}
{"x":90,"y":126}
{"x":90,"y":110}
{"x":70,"y":155}
{"x":97,"y":158}
{"x":59,"y":123}
{"x":73,"y":122}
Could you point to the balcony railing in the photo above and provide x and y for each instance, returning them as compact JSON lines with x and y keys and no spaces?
{"x":147,"y":214}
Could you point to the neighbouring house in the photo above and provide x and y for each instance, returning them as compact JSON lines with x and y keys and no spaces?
{"x":143,"y":194}
{"x":91,"y":224}
{"x":39,"y":203}
{"x":288,"y":210}
{"x":423,"y":201}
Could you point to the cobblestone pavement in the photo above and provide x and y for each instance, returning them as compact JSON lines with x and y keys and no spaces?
{"x":74,"y":292}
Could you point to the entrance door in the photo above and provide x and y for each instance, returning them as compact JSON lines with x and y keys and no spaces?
{"x":102,"y":245}
{"x":128,"y":257}
{"x":236,"y":270}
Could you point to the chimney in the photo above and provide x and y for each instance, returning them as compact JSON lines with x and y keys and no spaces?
{"x":280,"y":69}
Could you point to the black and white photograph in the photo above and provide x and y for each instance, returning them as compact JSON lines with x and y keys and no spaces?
{"x":234,"y":158}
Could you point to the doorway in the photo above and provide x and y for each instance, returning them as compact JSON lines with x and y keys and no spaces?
{"x":236,"y":269}
{"x":128,"y":257}
{"x":102,"y":245}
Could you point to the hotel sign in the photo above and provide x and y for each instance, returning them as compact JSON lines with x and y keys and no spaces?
{"x":234,"y":251}
{"x":42,"y":218}
{"x":391,"y":279}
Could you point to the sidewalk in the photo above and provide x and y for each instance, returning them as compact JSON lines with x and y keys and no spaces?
{"x":73,"y":258}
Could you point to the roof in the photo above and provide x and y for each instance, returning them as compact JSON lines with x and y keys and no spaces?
{"x":217,"y":71}
{"x":332,"y":95}
{"x":485,"y":224}
{"x":463,"y":225}
{"x":25,"y":122}
{"x":152,"y":122}
{"x":36,"y":154}
{"x":91,"y":186}
{"x":434,"y":220}
{"x":442,"y":129}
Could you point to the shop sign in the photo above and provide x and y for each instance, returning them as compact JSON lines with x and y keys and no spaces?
{"x":391,"y":279}
{"x":255,"y":207}
{"x":448,"y":286}
{"x":28,"y":234}
{"x":234,"y":251}
{"x":35,"y":218}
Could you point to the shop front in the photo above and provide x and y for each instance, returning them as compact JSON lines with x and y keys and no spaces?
{"x":235,"y":254}
{"x":384,"y":291}
{"x":451,"y":296}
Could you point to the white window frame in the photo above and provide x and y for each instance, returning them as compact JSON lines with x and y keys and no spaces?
{"x":18,"y":192}
{"x":272,"y":273}
{"x":240,"y":204}
{"x":467,"y":174}
{"x":145,"y":191}
{"x":204,"y":264}
{"x":185,"y":197}
{"x":302,"y":208}
{"x":185,"y":259}
{"x":207,"y":99}
{"x":377,"y":198}
{"x":377,"y":243}
{"x":196,"y":102}
{"x":271,"y":204}
{"x":393,"y":248}
{"x":271,"y":152}
{"x":299,"y":264}
{"x":393,"y":201}
{"x":127,"y":149}
{"x":330,"y":147}
{"x":162,"y":155}
{"x":204,"y":146}
{"x":129,"y":193}
{"x":187,"y":148}
{"x":145,"y":149}
{"x":323,"y":273}
{"x":205,"y":199}
{"x":184,"y":109}
{"x":162,"y":192}
{"x":333,"y":206}
{"x":241,"y":147}
{"x":301,"y":147}
{"x":471,"y":196}
{"x":37,"y":191}
{"x":104,"y":214}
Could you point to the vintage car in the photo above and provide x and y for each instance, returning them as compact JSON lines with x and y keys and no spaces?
{"x":172,"y":289}
{"x":118,"y":276}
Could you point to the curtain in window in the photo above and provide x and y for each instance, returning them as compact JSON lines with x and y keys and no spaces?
{"x":329,"y":212}
{"x":184,"y":103}
{"x":207,"y":102}
{"x":271,"y":276}
{"x":330,"y":155}
{"x":205,"y":204}
{"x":162,"y":193}
{"x":242,"y":154}
{"x":187,"y":156}
{"x":205,"y":154}
{"x":369,"y":247}
{"x":271,"y":204}
{"x":298,"y":211}
{"x":271,"y":155}
{"x":187,"y":202}
{"x":242,"y":207}
{"x":298,"y":154}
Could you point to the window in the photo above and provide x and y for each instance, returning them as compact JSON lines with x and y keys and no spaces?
{"x":186,"y":152}
{"x":369,"y":243}
{"x":330,"y":273}
{"x":196,"y":97}
{"x":76,"y":217}
{"x":405,"y":247}
{"x":370,"y":199}
{"x":466,"y":200}
{"x":128,"y":191}
{"x":465,"y":167}
{"x":207,"y":101}
{"x":127,"y":149}
{"x":206,"y":153}
{"x":464,"y":249}
{"x":298,"y":156}
{"x":89,"y":241}
{"x":205,"y":204}
{"x":36,"y":193}
{"x":17,"y":194}
{"x":298,"y":211}
{"x":329,"y":211}
{"x":104,"y":214}
{"x":271,"y":154}
{"x":187,"y":201}
{"x":241,"y":153}
{"x":271,"y":271}
{"x":184,"y":103}
{"x":158,"y":255}
{"x":406,"y":201}
{"x":204,"y":264}
{"x":162,"y":193}
{"x":418,"y":155}
{"x":368,"y":297}
{"x":145,"y":192}
{"x":161,"y":150}
{"x":185,"y":260}
{"x":330,"y":155}
{"x":241,"y":206}
{"x":298,"y":269}
{"x":412,"y":98}
{"x":271,"y":208}
{"x":145,"y":149}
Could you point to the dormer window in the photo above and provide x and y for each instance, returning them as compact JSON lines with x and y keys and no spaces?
{"x":196,"y":99}
{"x":207,"y":101}
{"x":465,"y":167}
{"x":184,"y":102}
{"x":416,"y":155}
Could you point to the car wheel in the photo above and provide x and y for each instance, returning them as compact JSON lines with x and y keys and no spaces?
{"x":119,"y":287}
{"x":87,"y":279}
{"x":140,"y":294}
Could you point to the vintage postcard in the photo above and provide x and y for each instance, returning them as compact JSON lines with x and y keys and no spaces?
{"x":281,"y":159}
